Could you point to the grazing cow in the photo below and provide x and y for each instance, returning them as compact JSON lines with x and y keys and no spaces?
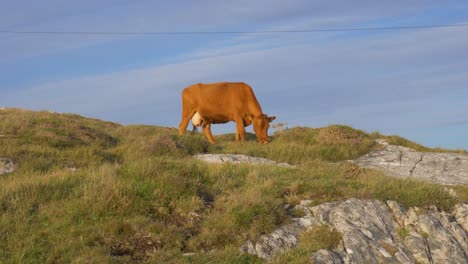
{"x":219,"y":103}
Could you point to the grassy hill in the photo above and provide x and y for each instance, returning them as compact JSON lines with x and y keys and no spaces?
{"x":91,"y":191}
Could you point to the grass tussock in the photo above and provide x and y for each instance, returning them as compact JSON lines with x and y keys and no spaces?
{"x":92,"y":191}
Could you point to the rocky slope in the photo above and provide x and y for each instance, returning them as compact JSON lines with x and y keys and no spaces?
{"x":376,"y":232}
{"x":402,"y":162}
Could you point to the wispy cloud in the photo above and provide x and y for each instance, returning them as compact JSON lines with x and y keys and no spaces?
{"x":144,"y":16}
{"x":308,"y":79}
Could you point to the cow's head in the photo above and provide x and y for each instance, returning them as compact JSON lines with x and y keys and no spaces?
{"x":261,"y":124}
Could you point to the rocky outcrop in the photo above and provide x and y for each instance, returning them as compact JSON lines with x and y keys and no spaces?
{"x":376,"y":232}
{"x":402,"y":162}
{"x":281,"y":239}
{"x":6,"y":166}
{"x":237,"y":158}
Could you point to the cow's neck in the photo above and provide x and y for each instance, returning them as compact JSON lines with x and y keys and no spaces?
{"x":254,"y":107}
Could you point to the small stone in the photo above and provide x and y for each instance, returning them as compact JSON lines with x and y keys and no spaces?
{"x":237,"y":158}
{"x":72,"y":169}
{"x":451,"y":192}
{"x":305,"y":202}
{"x":6,"y":166}
{"x":381,"y":142}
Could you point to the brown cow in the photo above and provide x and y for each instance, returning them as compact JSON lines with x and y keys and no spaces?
{"x":219,"y":103}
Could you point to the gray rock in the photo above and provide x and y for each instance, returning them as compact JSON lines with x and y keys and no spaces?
{"x":237,"y":158}
{"x":402,"y":162}
{"x":446,"y":239}
{"x":368,"y":229}
{"x":417,"y":245}
{"x":461,"y":215}
{"x":6,"y":166}
{"x":324,"y":256}
{"x":371,"y":233}
{"x":280,"y":240}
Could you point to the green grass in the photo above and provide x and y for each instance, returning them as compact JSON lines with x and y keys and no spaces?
{"x":92,"y":191}
{"x":319,"y":237}
{"x":300,"y":145}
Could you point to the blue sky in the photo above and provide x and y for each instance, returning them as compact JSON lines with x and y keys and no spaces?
{"x":412,"y":82}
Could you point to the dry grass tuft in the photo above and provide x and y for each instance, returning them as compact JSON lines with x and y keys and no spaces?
{"x":336,"y":135}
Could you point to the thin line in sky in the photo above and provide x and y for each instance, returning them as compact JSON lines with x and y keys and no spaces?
{"x":224,"y":32}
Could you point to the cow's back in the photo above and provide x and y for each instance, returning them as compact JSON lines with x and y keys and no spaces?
{"x":218,"y":100}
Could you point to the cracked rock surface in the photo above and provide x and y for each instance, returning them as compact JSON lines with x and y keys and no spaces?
{"x":6,"y":166}
{"x":403,"y":162}
{"x":376,"y":232}
{"x":237,"y":158}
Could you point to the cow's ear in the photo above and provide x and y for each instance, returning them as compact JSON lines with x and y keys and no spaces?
{"x":271,"y":118}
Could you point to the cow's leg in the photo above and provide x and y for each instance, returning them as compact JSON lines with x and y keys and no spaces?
{"x":194,"y":129}
{"x":183,"y":124}
{"x":240,"y":130}
{"x":207,"y":131}
{"x":187,"y":114}
{"x":188,"y":110}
